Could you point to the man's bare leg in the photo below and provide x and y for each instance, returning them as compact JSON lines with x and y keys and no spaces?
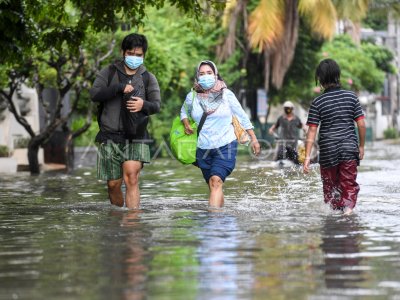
{"x":131,"y":171}
{"x":115,"y":192}
{"x":216,"y":194}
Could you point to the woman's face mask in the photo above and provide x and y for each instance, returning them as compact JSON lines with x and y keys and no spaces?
{"x":207,"y":81}
{"x":133,"y":62}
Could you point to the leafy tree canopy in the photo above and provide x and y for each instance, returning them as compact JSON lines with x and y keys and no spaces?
{"x":362,"y":67}
{"x":359,"y":70}
{"x":381,"y":55}
{"x":43,"y":23}
{"x":377,"y":17}
{"x":176,"y":45}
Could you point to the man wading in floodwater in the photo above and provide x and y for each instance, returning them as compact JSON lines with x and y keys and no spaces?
{"x":336,"y":111}
{"x":289,"y":125}
{"x":127,"y":94}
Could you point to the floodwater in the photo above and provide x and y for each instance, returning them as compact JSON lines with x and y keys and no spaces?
{"x":275,"y":239}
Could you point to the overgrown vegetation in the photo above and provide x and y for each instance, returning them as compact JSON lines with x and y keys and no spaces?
{"x":61,"y":44}
{"x":390,"y":133}
{"x":4,"y":151}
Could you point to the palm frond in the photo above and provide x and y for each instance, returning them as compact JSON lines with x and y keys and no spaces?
{"x":228,"y":11}
{"x":305,"y":6}
{"x":322,"y":16}
{"x":266,"y":24}
{"x":281,"y":59}
{"x":354,"y":10}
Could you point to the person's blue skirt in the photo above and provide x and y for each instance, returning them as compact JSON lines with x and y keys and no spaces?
{"x":217,"y":162}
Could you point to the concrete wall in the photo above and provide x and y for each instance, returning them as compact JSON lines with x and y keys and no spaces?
{"x":26,"y":100}
{"x":382,"y":122}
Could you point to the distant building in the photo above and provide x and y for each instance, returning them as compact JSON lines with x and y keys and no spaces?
{"x":13,"y":135}
{"x":16,"y":138}
{"x":383,"y":110}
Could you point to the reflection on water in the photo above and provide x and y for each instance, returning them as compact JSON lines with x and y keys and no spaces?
{"x":128,"y":262}
{"x":341,"y":241}
{"x":275,"y":239}
{"x":223,"y":271}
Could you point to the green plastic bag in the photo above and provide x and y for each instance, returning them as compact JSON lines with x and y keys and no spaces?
{"x":183,"y":146}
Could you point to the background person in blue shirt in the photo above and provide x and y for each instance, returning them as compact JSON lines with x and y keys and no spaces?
{"x":217,"y":143}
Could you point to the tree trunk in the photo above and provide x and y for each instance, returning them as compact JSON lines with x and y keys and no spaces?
{"x":281,"y":58}
{"x":69,"y":153}
{"x":353,"y":29}
{"x":33,"y":151}
{"x":227,"y":48}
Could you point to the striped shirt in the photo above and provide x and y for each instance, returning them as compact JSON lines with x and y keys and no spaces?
{"x":335,"y":111}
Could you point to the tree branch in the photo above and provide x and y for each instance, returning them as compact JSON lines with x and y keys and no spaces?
{"x":13,"y":85}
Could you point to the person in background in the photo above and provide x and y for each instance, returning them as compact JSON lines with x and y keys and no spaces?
{"x":217,"y":144}
{"x":128,"y":94}
{"x":335,"y":112}
{"x":289,"y":125}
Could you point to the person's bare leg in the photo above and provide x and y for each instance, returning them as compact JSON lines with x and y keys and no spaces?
{"x":347,"y":211}
{"x":216,"y":193}
{"x":131,"y":171}
{"x":115,"y":192}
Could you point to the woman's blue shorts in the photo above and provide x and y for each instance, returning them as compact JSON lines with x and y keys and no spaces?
{"x":220,"y":161}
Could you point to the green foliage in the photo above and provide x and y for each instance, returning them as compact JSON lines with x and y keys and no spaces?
{"x":362,"y":68}
{"x":391,"y":133}
{"x":300,"y":77}
{"x":17,"y":31}
{"x":4,"y":151}
{"x":34,"y":24}
{"x":231,"y":73}
{"x":3,"y":76}
{"x":59,"y":43}
{"x":176,"y":45}
{"x":21,"y":142}
{"x":48,"y":76}
{"x":376,"y":20}
{"x":377,"y":17}
{"x":89,"y":136}
{"x":358,"y":70}
{"x":21,"y":71}
{"x":381,"y":55}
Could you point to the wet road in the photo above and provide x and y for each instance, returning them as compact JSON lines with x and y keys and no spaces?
{"x":275,"y":239}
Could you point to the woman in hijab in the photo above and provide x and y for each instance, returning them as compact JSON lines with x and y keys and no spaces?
{"x":211,"y":104}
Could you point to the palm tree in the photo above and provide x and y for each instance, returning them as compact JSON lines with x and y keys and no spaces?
{"x":351,"y":21}
{"x":272,"y":28}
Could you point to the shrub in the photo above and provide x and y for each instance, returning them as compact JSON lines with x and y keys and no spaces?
{"x":21,"y":142}
{"x":86,"y":138}
{"x":3,"y":151}
{"x":391,"y":133}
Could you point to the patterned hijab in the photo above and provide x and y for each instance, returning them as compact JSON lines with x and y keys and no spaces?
{"x":210,"y":99}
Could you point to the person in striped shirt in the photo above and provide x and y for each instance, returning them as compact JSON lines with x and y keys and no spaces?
{"x":336,"y":112}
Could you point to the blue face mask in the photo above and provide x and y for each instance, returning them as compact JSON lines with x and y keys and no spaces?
{"x":207,"y":81}
{"x":133,"y":62}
